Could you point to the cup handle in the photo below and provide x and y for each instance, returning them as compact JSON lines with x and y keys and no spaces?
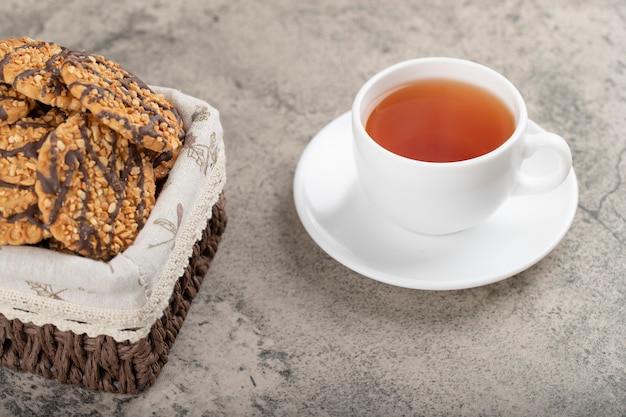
{"x":550,"y":142}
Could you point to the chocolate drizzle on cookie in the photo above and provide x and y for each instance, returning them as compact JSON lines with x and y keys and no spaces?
{"x":33,"y":68}
{"x":54,"y":85}
{"x":104,"y":88}
{"x":29,"y":149}
{"x":11,"y":101}
{"x":13,"y":105}
{"x":32,"y":214}
{"x":85,"y":162}
{"x":19,"y":149}
{"x":92,"y":187}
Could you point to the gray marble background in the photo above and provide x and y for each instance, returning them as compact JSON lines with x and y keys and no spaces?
{"x":281,"y":329}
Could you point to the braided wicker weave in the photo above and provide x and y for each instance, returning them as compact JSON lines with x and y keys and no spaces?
{"x":101,"y":363}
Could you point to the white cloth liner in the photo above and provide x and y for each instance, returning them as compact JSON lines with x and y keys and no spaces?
{"x":123,"y":298}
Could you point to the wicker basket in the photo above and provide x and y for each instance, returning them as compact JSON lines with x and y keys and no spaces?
{"x":101,"y":363}
{"x":112,"y":329}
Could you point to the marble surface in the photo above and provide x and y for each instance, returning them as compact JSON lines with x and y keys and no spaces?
{"x":279,"y":328}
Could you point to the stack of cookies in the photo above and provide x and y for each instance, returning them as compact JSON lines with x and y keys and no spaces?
{"x":82,"y":145}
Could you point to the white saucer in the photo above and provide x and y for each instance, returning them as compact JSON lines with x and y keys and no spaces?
{"x":337,"y":214}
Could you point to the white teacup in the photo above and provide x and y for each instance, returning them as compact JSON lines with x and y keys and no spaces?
{"x":445,"y":197}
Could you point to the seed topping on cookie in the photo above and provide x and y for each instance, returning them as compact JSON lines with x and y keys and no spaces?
{"x":20,"y":217}
{"x":124,"y":103}
{"x":82,"y":144}
{"x":13,"y":105}
{"x":33,"y":68}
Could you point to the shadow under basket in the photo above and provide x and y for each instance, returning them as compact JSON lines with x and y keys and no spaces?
{"x":101,"y":363}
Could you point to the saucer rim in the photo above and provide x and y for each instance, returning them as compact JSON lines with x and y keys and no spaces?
{"x":316,"y":233}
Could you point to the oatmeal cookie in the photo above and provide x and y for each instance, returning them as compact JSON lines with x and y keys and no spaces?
{"x":95,"y":188}
{"x":20,"y":222}
{"x":125,"y":104}
{"x":33,"y":68}
{"x":20,"y":143}
{"x":13,"y":105}
{"x":20,"y":218}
